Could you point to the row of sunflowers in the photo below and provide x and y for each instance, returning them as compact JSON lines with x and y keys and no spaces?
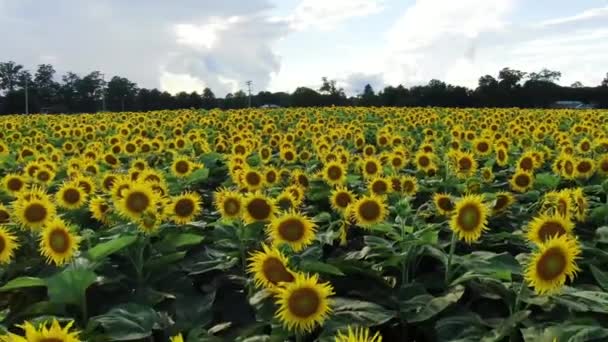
{"x":318,"y":224}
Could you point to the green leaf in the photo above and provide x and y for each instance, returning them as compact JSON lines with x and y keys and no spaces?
{"x":127,"y":322}
{"x":70,"y":285}
{"x":198,"y":176}
{"x":105,"y":249}
{"x":361,"y":312}
{"x":424,"y":307}
{"x":598,"y":215}
{"x":320,"y":267}
{"x":584,"y":301}
{"x":173,"y":241}
{"x":601,"y":277}
{"x":546,"y":181}
{"x":23,"y":282}
{"x":164,"y":260}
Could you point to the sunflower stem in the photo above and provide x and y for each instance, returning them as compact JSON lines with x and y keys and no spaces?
{"x":449,"y":265}
{"x":299,"y":337}
{"x":518,"y":298}
{"x":84,"y":308}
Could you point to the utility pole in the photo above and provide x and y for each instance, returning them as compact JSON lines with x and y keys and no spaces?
{"x":249,"y":88}
{"x":27,"y":102}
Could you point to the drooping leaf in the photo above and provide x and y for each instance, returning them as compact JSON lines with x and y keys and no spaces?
{"x":70,"y":285}
{"x":23,"y":282}
{"x":424,"y":307}
{"x":108,"y":248}
{"x":127,"y":322}
{"x":600,"y":276}
{"x":319,"y":267}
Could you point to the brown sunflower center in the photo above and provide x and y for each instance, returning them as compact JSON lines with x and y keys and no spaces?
{"x":59,"y":241}
{"x":501,"y":155}
{"x":289,"y":156}
{"x":103,"y":208}
{"x":304,"y":302}
{"x":408,"y":186}
{"x":303,"y":180}
{"x":396,"y":184}
{"x":14,"y":184}
{"x":483,"y":147}
{"x":371,"y":168}
{"x":110,"y":159}
{"x":379,"y":187}
{"x":445,"y":204}
{"x":551,"y":264}
{"x":4,"y":216}
{"x":583,"y":167}
{"x":35,"y":212}
{"x":424,"y":161}
{"x":43,"y":176}
{"x":182,"y":167}
{"x":253,"y":178}
{"x":291,"y":229}
{"x":271,"y":176}
{"x":604,"y":165}
{"x":465,"y":164}
{"x":370,"y":210}
{"x":108,"y":182}
{"x":265,"y":154}
{"x":469,"y":217}
{"x":334,"y":172}
{"x":71,"y":196}
{"x":569,"y":167}
{"x":259,"y":209}
{"x":153,"y":178}
{"x":184,"y":207}
{"x":550,"y":229}
{"x":232,"y":206}
{"x":522,"y":180}
{"x":275,"y":271}
{"x":137,"y":202}
{"x":526,"y":164}
{"x":2,"y":244}
{"x":343,"y":199}
{"x":501,"y":203}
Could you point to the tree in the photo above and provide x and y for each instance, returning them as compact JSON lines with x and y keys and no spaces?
{"x":208,"y":99}
{"x":46,"y":87}
{"x":510,"y":78}
{"x":306,"y":97}
{"x":9,"y":75}
{"x":368,"y":98}
{"x":545,"y":75}
{"x":605,"y":81}
{"x":120,"y":91}
{"x":576,"y":84}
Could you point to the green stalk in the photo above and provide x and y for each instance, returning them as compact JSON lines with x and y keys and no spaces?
{"x":448,"y":267}
{"x":518,"y":298}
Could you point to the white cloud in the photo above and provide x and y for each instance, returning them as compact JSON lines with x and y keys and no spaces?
{"x":327,"y":14}
{"x":585,"y":15}
{"x":175,"y":83}
{"x":204,"y":35}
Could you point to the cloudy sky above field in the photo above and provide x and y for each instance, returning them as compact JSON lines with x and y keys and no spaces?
{"x":281,"y":44}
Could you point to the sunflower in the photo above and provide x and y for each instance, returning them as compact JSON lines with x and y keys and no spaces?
{"x":5,"y":215}
{"x":100,"y":209}
{"x":70,"y":196}
{"x":292,"y":228}
{"x":379,"y":186}
{"x":357,"y":334}
{"x":44,"y":176}
{"x":149,"y":221}
{"x":544,"y":227}
{"x":487,"y":175}
{"x":502,"y":202}
{"x":35,"y":212}
{"x":8,"y":245}
{"x":371,"y":167}
{"x":522,"y":181}
{"x":184,"y":208}
{"x":137,"y":199}
{"x":424,"y":160}
{"x":271,"y":176}
{"x":334,"y":173}
{"x":409,"y":185}
{"x":502,"y":156}
{"x":552,"y":263}
{"x":297,"y":192}
{"x":341,"y":198}
{"x":228,"y":203}
{"x":303,"y":303}
{"x":182,"y":167}
{"x":14,"y":183}
{"x":269,"y":268}
{"x":57,"y":243}
{"x":251,"y":179}
{"x":584,"y":168}
{"x":469,"y":218}
{"x":602,"y":165}
{"x":300,"y":178}
{"x":482,"y":147}
{"x":466,"y":165}
{"x":527,"y":162}
{"x":44,"y":333}
{"x":581,"y":204}
{"x":258,"y":208}
{"x":85,"y":183}
{"x":443,"y":203}
{"x":368,"y":211}
{"x":177,"y":338}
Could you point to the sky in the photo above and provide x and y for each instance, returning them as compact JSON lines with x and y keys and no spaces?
{"x":187,"y":45}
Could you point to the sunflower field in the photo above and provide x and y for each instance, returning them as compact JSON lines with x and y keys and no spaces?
{"x":318,"y":224}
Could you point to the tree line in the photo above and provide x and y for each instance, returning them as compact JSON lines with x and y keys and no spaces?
{"x":74,"y":93}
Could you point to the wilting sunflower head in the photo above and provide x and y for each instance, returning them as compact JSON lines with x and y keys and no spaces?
{"x":57,"y":243}
{"x":357,"y":334}
{"x":469,"y":218}
{"x":544,"y":227}
{"x":334,"y":173}
{"x":137,"y":199}
{"x":52,"y":333}
{"x":71,"y":196}
{"x":443,"y":203}
{"x":258,"y":208}
{"x":8,"y":245}
{"x":293,"y":229}
{"x":502,"y":202}
{"x":303,"y":303}
{"x":270,"y":268}
{"x":522,"y":181}
{"x":368,"y":211}
{"x":184,"y":208}
{"x":552,"y":263}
